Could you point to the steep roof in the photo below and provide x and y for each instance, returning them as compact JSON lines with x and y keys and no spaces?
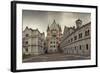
{"x":55,"y":26}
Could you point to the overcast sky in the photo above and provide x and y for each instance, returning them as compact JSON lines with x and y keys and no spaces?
{"x":41,"y":19}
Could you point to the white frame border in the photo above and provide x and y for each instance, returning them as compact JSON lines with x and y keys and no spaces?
{"x":35,"y":65}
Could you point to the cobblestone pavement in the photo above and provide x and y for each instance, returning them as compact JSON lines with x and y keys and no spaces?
{"x":54,"y":57}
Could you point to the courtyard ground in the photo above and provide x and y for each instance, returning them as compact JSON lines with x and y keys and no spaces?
{"x":54,"y":57}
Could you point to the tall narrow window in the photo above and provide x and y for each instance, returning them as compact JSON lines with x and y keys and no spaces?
{"x":75,"y":47}
{"x":54,"y":46}
{"x":88,"y":32}
{"x":85,"y":33}
{"x":87,"y":47}
{"x":80,"y":47}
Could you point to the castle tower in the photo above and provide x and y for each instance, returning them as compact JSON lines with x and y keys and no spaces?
{"x":53,"y":38}
{"x":78,"y":23}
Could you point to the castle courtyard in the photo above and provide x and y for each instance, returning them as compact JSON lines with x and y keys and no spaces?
{"x":54,"y":57}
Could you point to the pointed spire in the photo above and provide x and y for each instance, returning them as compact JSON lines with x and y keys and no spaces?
{"x":54,"y":22}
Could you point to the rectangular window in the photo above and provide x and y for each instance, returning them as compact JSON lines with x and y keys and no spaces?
{"x":54,"y":46}
{"x":75,"y":47}
{"x":27,"y":35}
{"x":87,"y":33}
{"x":80,"y":35}
{"x":26,"y":49}
{"x":26,"y":42}
{"x":51,"y":42}
{"x":80,"y":47}
{"x":75,"y":37}
{"x":71,"y":39}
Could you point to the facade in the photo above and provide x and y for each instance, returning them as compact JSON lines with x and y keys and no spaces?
{"x":77,"y":41}
{"x":33,"y":42}
{"x":53,"y":39}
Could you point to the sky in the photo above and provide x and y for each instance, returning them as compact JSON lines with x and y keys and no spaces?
{"x":41,"y":19}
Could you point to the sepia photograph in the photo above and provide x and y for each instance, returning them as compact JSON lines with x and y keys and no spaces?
{"x":55,"y":36}
{"x":48,"y":36}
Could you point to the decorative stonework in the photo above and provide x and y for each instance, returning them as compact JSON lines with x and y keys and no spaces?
{"x":53,"y":38}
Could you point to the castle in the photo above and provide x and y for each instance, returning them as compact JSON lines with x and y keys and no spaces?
{"x":73,"y":40}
